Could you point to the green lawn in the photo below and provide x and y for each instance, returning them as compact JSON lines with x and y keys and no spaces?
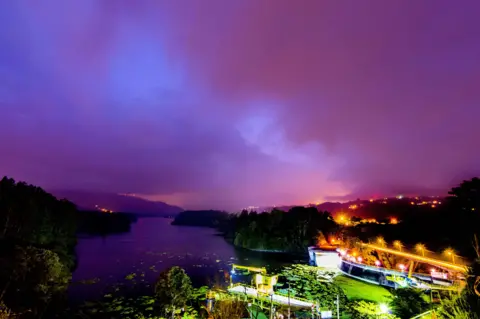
{"x":356,"y":289}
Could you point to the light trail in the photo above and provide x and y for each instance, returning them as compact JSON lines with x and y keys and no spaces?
{"x":427,"y":260}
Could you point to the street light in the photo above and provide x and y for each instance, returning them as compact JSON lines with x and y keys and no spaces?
{"x":381,"y":241}
{"x":383,"y":310}
{"x":398,"y":244}
{"x":421,"y":249}
{"x":451,"y":253}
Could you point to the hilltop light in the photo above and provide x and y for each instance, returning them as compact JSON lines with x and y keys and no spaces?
{"x":393,"y":221}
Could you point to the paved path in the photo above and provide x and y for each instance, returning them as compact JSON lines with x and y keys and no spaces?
{"x":276,"y":298}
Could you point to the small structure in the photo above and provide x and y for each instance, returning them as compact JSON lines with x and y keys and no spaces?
{"x":264,"y":284}
{"x":325,"y":257}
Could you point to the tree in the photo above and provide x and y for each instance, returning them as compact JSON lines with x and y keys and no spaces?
{"x":467,"y":195}
{"x":408,"y":302}
{"x":229,"y":309}
{"x":33,"y":278}
{"x":321,"y":240}
{"x":465,"y":203}
{"x":37,"y":242}
{"x":467,"y":304}
{"x":313,"y":284}
{"x":173,"y":289}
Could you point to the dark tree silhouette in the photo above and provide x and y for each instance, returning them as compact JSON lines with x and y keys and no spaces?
{"x":37,"y":241}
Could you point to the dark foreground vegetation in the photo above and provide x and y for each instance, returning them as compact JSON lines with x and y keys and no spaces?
{"x":37,"y":247}
{"x":37,"y":254}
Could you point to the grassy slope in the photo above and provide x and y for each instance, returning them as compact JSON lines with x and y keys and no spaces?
{"x":356,"y":290}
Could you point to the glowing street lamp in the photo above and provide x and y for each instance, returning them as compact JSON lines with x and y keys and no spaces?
{"x":377,"y":263}
{"x":381,"y":241}
{"x":383,"y":308}
{"x":420,"y":248}
{"x":398,"y":244}
{"x":450,"y":253}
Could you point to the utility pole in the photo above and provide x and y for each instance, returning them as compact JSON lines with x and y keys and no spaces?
{"x":338,"y":306}
{"x":288,"y":300}
{"x":271,"y":306}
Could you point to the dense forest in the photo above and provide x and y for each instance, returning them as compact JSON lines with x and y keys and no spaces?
{"x":37,"y":254}
{"x":279,"y":231}
{"x":37,"y":246}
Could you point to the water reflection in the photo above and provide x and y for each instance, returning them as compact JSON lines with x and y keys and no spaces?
{"x":153,"y":245}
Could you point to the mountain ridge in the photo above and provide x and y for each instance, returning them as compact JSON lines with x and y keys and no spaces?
{"x":86,"y":200}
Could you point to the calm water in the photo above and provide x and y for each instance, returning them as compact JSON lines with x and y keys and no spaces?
{"x":153,"y":245}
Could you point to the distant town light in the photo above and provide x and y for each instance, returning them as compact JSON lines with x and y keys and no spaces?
{"x":393,"y":221}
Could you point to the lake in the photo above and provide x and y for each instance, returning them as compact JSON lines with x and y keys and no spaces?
{"x":153,"y":245}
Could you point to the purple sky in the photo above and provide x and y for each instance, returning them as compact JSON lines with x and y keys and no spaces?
{"x":225,"y":104}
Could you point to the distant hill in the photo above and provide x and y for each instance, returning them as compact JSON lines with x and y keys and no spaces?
{"x":117,"y":203}
{"x":384,"y":207}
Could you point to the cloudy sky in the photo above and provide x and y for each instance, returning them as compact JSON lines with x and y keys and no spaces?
{"x":226,"y":104}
